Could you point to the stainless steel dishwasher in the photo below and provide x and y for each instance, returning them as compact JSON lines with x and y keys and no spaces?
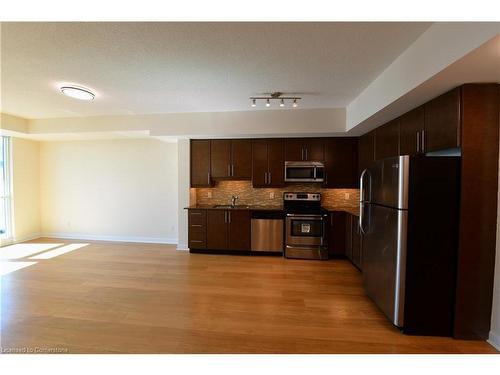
{"x":267,"y":231}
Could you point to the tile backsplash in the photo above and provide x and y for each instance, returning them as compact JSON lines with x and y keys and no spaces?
{"x":223,"y":190}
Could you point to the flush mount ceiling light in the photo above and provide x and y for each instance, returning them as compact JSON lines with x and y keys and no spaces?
{"x":78,"y":92}
{"x":281,"y":97}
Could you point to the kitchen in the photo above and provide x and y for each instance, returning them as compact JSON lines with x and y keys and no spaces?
{"x":299,"y":198}
{"x":250,"y":188}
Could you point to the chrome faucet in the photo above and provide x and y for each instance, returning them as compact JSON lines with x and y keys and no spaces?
{"x":233,"y":200}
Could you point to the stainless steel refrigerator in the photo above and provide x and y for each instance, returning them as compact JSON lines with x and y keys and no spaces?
{"x":409,"y":223}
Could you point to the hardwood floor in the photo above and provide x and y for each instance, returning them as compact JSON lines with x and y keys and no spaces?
{"x":147,"y":298}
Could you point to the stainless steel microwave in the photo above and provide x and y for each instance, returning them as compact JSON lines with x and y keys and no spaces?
{"x":304,"y":171}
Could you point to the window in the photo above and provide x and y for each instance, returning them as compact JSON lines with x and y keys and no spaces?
{"x":5,"y":194}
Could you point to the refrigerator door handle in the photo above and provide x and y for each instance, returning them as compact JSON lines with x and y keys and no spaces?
{"x":361,"y":209}
{"x":361,"y":186}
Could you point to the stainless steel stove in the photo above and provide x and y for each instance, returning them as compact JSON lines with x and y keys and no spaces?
{"x":305,"y":226}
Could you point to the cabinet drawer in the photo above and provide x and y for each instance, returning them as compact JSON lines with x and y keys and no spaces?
{"x":197,"y":232}
{"x":197,"y":244}
{"x":197,"y":217}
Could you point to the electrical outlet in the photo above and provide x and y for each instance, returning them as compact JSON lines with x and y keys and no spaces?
{"x":209,"y":194}
{"x":347,"y":195}
{"x":271,"y":195}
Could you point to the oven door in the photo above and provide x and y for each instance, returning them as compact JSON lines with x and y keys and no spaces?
{"x":305,"y":230}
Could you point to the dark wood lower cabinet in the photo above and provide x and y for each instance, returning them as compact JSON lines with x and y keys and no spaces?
{"x":197,"y":229}
{"x":239,"y":230}
{"x":227,"y":230}
{"x":353,"y":245}
{"x":217,"y":229}
{"x":336,"y":234}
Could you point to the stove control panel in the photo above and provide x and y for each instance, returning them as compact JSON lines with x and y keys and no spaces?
{"x":314,"y":197}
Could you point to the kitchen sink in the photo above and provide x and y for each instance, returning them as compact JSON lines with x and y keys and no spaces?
{"x":240,"y":206}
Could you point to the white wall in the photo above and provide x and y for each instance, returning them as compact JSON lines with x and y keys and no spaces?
{"x":110,"y":189}
{"x":445,"y":42}
{"x":270,"y":123}
{"x":25,"y":188}
{"x":184,"y":183}
{"x":495,"y":313}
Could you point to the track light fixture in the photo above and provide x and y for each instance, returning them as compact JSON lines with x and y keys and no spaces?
{"x":275,"y":96}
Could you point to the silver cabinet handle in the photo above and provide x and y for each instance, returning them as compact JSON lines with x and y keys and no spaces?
{"x":195,"y":213}
{"x":269,"y":178}
{"x":229,"y":170}
{"x":423,"y":140}
{"x":302,"y":154}
{"x":208,"y":181}
{"x":232,"y":170}
{"x":195,"y":241}
{"x":265,"y":178}
{"x":418,"y":141}
{"x":225,"y":216}
{"x":229,"y":217}
{"x":196,"y":225}
{"x":306,"y":155}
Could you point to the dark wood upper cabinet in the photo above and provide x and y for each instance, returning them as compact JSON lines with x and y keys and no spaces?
{"x":366,"y":151}
{"x":200,"y":163}
{"x":268,"y":162}
{"x":442,"y":122}
{"x":411,"y":131}
{"x":220,"y":158}
{"x":231,"y":159}
{"x":341,"y":162}
{"x":304,"y":149}
{"x":276,"y":162}
{"x":217,"y":229}
{"x":314,"y":149}
{"x":241,"y":158}
{"x":294,"y":149}
{"x":239,"y":230}
{"x":387,"y":140}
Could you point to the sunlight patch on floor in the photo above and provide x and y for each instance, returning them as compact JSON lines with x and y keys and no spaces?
{"x":59,"y":251}
{"x":8,"y":267}
{"x":22,"y":250}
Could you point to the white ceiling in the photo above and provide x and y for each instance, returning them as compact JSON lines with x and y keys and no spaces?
{"x":140,"y":68}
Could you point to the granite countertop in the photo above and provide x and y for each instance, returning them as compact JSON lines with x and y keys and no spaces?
{"x":238,"y":207}
{"x":351,"y":210}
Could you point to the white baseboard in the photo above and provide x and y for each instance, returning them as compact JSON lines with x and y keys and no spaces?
{"x":494,"y":340}
{"x":75,"y":236}
{"x":182,"y":247}
{"x":12,"y":241}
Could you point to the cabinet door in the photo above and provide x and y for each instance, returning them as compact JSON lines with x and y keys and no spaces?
{"x":239,"y":229}
{"x":241,"y":159}
{"x":217,"y":229}
{"x":410,"y":131}
{"x":366,"y":151}
{"x":314,"y":149}
{"x":259,"y":163}
{"x":442,"y":122}
{"x":348,"y":236}
{"x":336,"y":233}
{"x":387,"y":140}
{"x":294,"y":149}
{"x":341,"y":163}
{"x":220,"y":158}
{"x":200,"y":163}
{"x":276,"y":160}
